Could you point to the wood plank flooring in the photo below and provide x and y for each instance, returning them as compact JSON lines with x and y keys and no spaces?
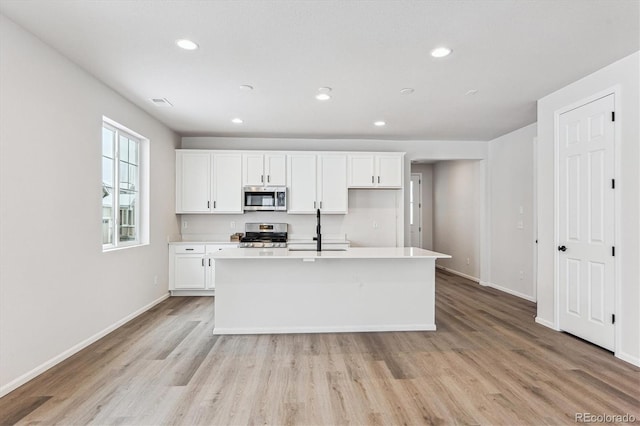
{"x":489,"y":363}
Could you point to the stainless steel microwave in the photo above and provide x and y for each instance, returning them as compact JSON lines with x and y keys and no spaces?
{"x":264,"y":198}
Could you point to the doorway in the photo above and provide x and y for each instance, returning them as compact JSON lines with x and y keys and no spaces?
{"x":415,"y":209}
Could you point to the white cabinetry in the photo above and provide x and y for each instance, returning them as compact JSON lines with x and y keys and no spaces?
{"x":208,"y":182}
{"x":192,"y":268}
{"x":375,"y":170}
{"x":317,"y":181}
{"x":264,"y":169}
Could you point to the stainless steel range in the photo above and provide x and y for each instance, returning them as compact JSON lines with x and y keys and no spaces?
{"x":264,"y":235}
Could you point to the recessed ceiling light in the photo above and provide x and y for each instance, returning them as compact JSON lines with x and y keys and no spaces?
{"x":186,"y":44}
{"x":237,"y":121}
{"x":246,"y":87}
{"x":407,"y":91}
{"x":471,"y":92}
{"x":379,"y":123}
{"x":323,"y":97}
{"x":440,"y":52}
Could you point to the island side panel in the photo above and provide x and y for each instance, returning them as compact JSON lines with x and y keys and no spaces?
{"x":276,"y":295}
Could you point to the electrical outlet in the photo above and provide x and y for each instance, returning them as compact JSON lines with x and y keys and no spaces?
{"x":155,"y":280}
{"x":375,"y":225}
{"x":232,"y":225}
{"x":521,"y":275}
{"x":185,"y":224}
{"x":468,"y":261}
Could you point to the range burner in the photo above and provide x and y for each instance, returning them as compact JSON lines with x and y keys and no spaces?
{"x":261,"y":235}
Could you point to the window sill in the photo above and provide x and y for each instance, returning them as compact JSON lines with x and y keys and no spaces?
{"x":106,"y":250}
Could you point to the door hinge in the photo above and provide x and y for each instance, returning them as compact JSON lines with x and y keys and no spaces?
{"x":419,"y":229}
{"x":419,"y":205}
{"x":613,"y":251}
{"x":613,"y":116}
{"x":613,"y":318}
{"x":613,"y":183}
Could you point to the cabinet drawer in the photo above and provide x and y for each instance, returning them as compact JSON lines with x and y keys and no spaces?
{"x":188,"y":248}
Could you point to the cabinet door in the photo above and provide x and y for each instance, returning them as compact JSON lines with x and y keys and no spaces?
{"x":301,"y":179}
{"x":332,"y":183}
{"x":190,"y":272}
{"x":361,"y":171}
{"x":227,"y":183}
{"x":275,"y":169}
{"x":253,"y":165}
{"x":193,"y":180}
{"x":389,"y":171}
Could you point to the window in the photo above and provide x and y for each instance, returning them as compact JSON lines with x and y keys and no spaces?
{"x":121,"y":187}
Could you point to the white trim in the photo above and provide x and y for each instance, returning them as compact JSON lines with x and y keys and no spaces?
{"x":628,"y":358}
{"x":14,"y":384}
{"x":337,"y":329}
{"x":546,"y":323}
{"x":508,"y":291}
{"x":469,"y":277}
{"x":179,"y":293}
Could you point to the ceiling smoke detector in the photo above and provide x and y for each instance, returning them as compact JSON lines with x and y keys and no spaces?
{"x":161,"y":102}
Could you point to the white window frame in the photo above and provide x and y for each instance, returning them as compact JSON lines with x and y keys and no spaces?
{"x":141,"y":219}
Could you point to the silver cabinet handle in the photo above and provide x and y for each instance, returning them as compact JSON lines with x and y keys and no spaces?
{"x":378,"y":179}
{"x":314,"y":204}
{"x":208,"y":204}
{"x":262,"y":178}
{"x":214,"y":204}
{"x":320,"y":204}
{"x":269,"y":178}
{"x":189,"y":249}
{"x":373,"y":179}
{"x":203,"y":261}
{"x":209,"y":262}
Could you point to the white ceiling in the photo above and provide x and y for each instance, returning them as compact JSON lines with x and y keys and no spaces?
{"x":512,"y":52}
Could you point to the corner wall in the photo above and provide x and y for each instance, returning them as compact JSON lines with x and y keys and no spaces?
{"x":623,"y":77}
{"x":58,"y":290}
{"x":457,"y":215}
{"x":512,"y":230}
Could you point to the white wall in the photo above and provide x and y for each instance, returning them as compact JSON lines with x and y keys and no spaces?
{"x":511,"y":205}
{"x":457,"y":191}
{"x":57,"y":288}
{"x":426,"y":170}
{"x":623,"y":77}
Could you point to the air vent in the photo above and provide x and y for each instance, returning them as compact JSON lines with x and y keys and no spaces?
{"x":161,"y":102}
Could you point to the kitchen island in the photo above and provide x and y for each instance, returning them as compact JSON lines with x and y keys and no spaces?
{"x":359,"y":289}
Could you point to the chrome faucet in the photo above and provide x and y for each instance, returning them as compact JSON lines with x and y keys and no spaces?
{"x":318,"y":237}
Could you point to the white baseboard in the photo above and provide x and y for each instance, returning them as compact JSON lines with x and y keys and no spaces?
{"x":546,"y":323}
{"x":509,"y":291}
{"x":628,"y":358}
{"x":454,"y":272}
{"x":14,"y":384}
{"x":329,"y":329}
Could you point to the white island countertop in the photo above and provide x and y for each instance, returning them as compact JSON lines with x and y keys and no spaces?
{"x":351,"y":253}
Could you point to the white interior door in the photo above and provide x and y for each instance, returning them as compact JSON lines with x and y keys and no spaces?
{"x":415,"y":213}
{"x":586,"y":273}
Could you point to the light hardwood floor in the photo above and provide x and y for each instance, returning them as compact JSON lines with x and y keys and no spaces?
{"x":489,"y":363}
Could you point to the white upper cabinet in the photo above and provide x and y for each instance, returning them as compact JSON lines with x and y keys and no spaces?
{"x":193,"y":182}
{"x":317,"y":181}
{"x":264,"y":169}
{"x":227,"y":183}
{"x":332,"y":183}
{"x":208,"y":182}
{"x":375,"y":170}
{"x":301,"y":184}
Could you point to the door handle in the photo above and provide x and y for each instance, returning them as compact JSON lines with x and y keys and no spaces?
{"x":562,"y":248}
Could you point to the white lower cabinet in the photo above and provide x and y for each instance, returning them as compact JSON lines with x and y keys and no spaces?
{"x":191,"y":268}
